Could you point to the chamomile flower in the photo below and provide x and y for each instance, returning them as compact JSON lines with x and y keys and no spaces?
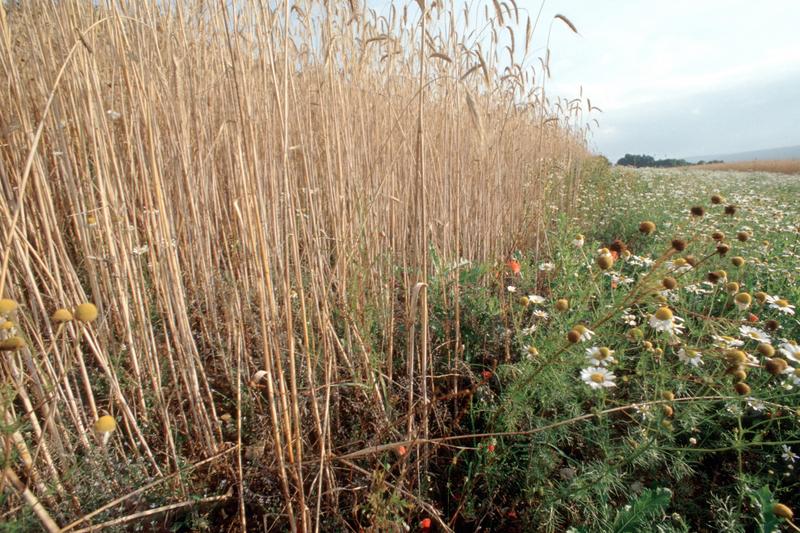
{"x":664,"y":320}
{"x":547,"y":267}
{"x":617,"y":279}
{"x":585,"y":333}
{"x":792,"y":377}
{"x":530,"y":351}
{"x":725,"y":341}
{"x":641,"y":261}
{"x":628,"y":318}
{"x":598,"y":377}
{"x":791,"y":350}
{"x":678,"y":266}
{"x":743,"y":300}
{"x":644,"y":411}
{"x":690,"y":357}
{"x":541,"y":315}
{"x":754,"y":334}
{"x":696,"y":289}
{"x":788,"y":455}
{"x":536,"y":299}
{"x":600,"y":356}
{"x":511,"y":288}
{"x":756,"y":405}
{"x":780,"y":304}
{"x":578,"y":241}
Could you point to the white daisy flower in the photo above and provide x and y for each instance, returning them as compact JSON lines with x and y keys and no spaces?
{"x":598,"y":377}
{"x":578,"y":241}
{"x":754,"y":334}
{"x":791,"y":350}
{"x":511,"y":288}
{"x":691,"y":357}
{"x":536,"y":299}
{"x":541,"y":315}
{"x":725,"y":341}
{"x":600,"y":356}
{"x":547,"y":267}
{"x":792,"y":377}
{"x":776,"y":302}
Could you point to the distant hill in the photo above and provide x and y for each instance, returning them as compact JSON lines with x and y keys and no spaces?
{"x":786,"y":152}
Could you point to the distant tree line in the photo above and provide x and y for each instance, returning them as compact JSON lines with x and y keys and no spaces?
{"x":631,"y":160}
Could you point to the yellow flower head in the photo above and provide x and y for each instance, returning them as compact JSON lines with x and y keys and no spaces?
{"x":105,"y":424}
{"x":86,"y":312}
{"x":647,"y":227}
{"x":664,"y":313}
{"x":12,"y":344}
{"x":61,"y":315}
{"x":7,"y":306}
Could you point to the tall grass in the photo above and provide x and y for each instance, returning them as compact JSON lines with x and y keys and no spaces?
{"x":253,"y":205}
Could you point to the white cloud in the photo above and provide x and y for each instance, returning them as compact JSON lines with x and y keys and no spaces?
{"x":668,"y":59}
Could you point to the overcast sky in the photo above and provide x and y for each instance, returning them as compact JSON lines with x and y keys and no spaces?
{"x":680,"y":78}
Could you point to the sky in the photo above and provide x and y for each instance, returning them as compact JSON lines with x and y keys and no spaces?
{"x":680,"y":78}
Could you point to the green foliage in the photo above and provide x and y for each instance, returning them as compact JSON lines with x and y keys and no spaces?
{"x":640,"y":513}
{"x":670,"y":435}
{"x":763,"y":500}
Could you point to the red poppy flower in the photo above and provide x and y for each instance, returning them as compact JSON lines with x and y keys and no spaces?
{"x":425,"y":524}
{"x":490,"y":448}
{"x":487,"y":374}
{"x":401,"y":450}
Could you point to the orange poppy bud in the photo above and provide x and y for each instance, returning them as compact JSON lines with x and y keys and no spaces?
{"x":514,"y":265}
